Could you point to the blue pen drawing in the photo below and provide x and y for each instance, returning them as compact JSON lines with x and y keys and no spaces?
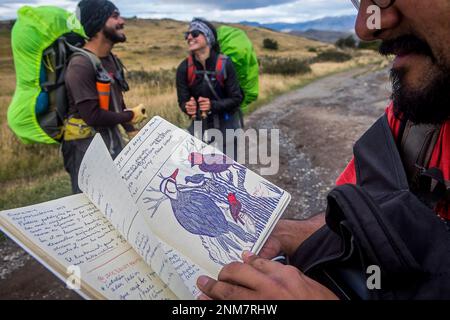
{"x":211,"y":163}
{"x":223,"y":214}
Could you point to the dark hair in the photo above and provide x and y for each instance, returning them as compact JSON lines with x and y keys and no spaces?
{"x":216,"y":46}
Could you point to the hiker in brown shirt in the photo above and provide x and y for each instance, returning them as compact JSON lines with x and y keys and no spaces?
{"x":95,"y":97}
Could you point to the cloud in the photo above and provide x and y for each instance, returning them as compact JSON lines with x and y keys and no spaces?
{"x":264,"y":11}
{"x":8,"y":8}
{"x":234,"y":4}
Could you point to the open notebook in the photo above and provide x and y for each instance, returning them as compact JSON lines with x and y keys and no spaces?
{"x":148,"y":224}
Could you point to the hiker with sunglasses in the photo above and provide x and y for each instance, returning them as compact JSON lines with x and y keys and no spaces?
{"x":207,"y":85}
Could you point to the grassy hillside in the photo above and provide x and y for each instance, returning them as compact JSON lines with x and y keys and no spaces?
{"x":30,"y":174}
{"x":156,"y":44}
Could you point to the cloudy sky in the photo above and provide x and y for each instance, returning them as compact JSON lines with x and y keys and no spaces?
{"x":263,"y":11}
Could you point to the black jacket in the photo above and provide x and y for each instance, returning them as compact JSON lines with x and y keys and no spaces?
{"x":379,"y":223}
{"x":231,"y":96}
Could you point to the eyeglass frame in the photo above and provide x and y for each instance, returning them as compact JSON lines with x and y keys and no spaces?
{"x":357,"y":3}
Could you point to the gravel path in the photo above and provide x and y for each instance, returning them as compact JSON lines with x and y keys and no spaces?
{"x":318,"y":126}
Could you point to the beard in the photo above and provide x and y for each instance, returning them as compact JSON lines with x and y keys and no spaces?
{"x":429,"y":104}
{"x":112,"y":35}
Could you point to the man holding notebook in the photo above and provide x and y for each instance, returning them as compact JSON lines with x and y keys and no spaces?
{"x":413,"y":216}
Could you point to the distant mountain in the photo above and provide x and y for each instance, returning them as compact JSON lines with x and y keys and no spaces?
{"x":341,"y":24}
{"x":321,"y":35}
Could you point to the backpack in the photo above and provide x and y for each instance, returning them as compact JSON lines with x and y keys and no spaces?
{"x":44,"y":39}
{"x":39,"y":39}
{"x":416,"y":144}
{"x":379,"y":222}
{"x":234,"y":45}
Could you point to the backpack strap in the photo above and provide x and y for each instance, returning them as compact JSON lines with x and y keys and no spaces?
{"x":434,"y":188}
{"x":120,"y":74}
{"x":95,"y":61}
{"x":221,"y":70}
{"x":416,"y":145}
{"x":191,"y":70}
{"x":59,"y":68}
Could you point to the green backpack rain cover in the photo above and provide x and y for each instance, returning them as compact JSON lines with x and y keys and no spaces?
{"x":235,"y":44}
{"x":35,"y":30}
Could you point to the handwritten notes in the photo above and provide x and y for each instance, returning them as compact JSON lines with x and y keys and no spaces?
{"x":140,"y":162}
{"x":72,"y":232}
{"x":100,"y":181}
{"x":145,"y":157}
{"x":187,"y":271}
{"x":131,"y":279}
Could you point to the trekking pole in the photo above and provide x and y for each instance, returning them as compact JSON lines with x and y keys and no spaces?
{"x":195,"y":116}
{"x":197,"y":113}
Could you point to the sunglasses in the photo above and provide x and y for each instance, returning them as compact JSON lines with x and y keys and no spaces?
{"x":383,"y":4}
{"x":194,"y":33}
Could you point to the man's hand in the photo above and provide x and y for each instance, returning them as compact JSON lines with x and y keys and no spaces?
{"x":132,"y":134}
{"x":288,"y":235}
{"x":139,"y":114}
{"x":191,"y":107}
{"x":205,"y":105}
{"x":260,"y":279}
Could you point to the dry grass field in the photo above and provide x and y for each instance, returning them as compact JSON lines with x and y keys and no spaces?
{"x":30,"y":174}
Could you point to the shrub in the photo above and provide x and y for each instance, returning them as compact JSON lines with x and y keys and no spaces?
{"x":312,"y":49}
{"x":284,"y":66}
{"x":369,"y":45}
{"x":162,"y":78}
{"x":348,"y":42}
{"x":332,"y":56}
{"x":175,"y":47}
{"x":270,"y":44}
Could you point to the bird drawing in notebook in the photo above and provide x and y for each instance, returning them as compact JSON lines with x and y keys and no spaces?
{"x":198,"y":214}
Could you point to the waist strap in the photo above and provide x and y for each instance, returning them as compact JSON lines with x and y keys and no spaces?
{"x":77,"y":129}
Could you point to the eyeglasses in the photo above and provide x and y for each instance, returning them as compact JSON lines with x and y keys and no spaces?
{"x":194,"y":33}
{"x":383,"y":4}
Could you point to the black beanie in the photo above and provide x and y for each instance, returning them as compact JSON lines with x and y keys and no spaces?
{"x":94,"y":14}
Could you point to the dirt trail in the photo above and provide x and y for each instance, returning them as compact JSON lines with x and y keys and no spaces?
{"x":319,"y":124}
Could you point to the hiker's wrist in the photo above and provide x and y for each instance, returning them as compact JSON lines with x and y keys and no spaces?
{"x":292,"y":233}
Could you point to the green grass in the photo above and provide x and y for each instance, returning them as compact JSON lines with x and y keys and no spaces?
{"x":372,"y":45}
{"x":284,"y":66}
{"x":23,"y":193}
{"x":30,"y":161}
{"x":332,"y":56}
{"x":44,"y":188}
{"x":161,"y":78}
{"x":274,"y":94}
